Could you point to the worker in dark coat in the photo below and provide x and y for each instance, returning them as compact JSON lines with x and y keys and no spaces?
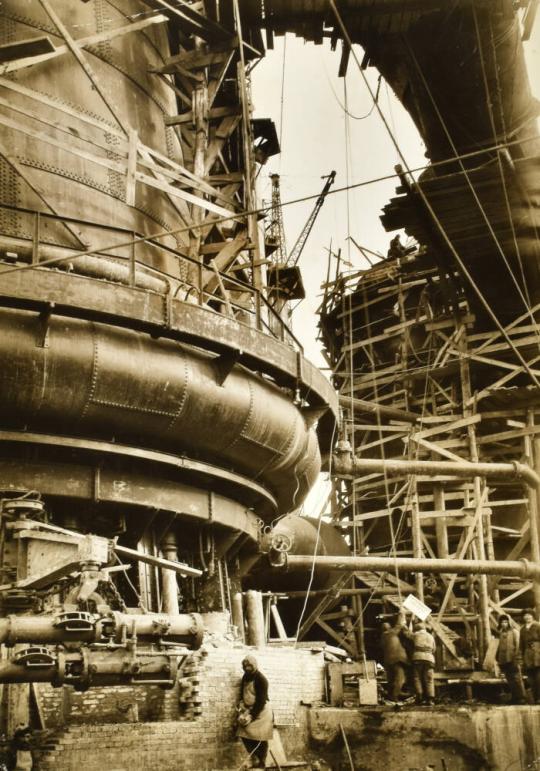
{"x":255,"y":718}
{"x":509,"y":660}
{"x":530,"y":651}
{"x":394,"y":657}
{"x":423,"y":659}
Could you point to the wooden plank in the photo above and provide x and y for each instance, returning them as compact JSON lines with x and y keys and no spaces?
{"x":222,"y":289}
{"x":61,"y":126}
{"x":522,"y":589}
{"x":453,"y":426}
{"x":326,"y":601}
{"x":179,"y":173}
{"x":499,"y":383}
{"x":380,"y":442}
{"x":77,"y":53}
{"x":467,"y":538}
{"x":503,"y":436}
{"x":91,"y":40}
{"x":436,"y":449}
{"x":178,"y":193}
{"x":61,"y":107}
{"x":181,"y":206}
{"x":215,"y":79}
{"x":192,"y":60}
{"x":338,"y":638}
{"x":213,"y":114}
{"x":41,"y":136}
{"x":222,"y":133}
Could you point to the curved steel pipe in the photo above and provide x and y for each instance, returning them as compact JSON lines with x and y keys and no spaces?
{"x":100,"y":382}
{"x":346,"y":465}
{"x":106,"y":268}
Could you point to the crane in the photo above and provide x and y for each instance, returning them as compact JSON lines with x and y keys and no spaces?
{"x":284,"y":277}
{"x":298,"y":248}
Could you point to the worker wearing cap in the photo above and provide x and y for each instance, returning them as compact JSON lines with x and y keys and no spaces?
{"x":509,"y":660}
{"x":423,"y":659}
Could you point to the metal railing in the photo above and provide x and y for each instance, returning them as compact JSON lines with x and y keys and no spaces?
{"x":256,"y":312}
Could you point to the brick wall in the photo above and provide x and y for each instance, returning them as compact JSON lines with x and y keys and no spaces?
{"x":170,"y":736}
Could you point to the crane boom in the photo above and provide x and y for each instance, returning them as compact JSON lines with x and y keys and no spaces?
{"x":298,"y":248}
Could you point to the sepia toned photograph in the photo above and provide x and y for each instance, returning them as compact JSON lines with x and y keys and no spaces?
{"x":269,"y":385}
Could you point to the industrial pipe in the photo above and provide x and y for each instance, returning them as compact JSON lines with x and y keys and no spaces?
{"x":517,"y":568}
{"x":347,"y":465}
{"x":381,"y":410}
{"x":185,"y":629}
{"x":85,"y":668}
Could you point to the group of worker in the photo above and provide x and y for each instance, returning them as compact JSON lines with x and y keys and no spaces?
{"x":517,"y":650}
{"x":396,"y":659}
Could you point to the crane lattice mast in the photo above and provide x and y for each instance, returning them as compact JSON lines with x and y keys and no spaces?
{"x":298,"y":248}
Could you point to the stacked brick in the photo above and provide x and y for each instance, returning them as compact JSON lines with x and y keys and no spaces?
{"x":164,"y":733}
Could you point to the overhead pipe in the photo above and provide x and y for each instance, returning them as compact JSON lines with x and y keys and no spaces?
{"x":344,"y":464}
{"x":380,"y":410}
{"x":515,"y":568}
{"x":186,"y":629}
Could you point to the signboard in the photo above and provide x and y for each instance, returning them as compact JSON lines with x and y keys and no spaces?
{"x":416,"y":606}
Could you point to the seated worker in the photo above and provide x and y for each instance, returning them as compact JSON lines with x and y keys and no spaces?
{"x":394,"y":656}
{"x":509,"y":660}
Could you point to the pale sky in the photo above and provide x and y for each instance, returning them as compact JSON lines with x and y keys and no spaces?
{"x":314,"y":143}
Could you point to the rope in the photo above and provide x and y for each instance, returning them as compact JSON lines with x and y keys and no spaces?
{"x":345,"y":107}
{"x":282,"y":96}
{"x":494,"y":47}
{"x":259,"y":210}
{"x":433,"y":214}
{"x":131,"y":584}
{"x":317,"y":539}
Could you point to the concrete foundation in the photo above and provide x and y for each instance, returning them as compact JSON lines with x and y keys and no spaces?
{"x":453,"y":738}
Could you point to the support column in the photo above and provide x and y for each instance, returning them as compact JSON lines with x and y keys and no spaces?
{"x":418,"y":551}
{"x":441,"y":530}
{"x":479,"y":482}
{"x":533,"y":452}
{"x":169,"y":584}
{"x":200,"y":120}
{"x":255,"y":619}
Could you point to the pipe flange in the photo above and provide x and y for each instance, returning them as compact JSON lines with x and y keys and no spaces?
{"x":84,"y":680}
{"x":528,"y":570}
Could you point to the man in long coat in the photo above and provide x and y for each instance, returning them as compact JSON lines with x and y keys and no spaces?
{"x":509,"y":660}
